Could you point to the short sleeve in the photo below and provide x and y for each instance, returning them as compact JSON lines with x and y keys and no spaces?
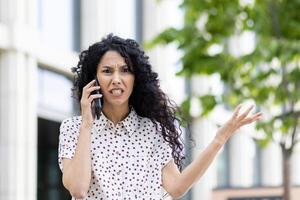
{"x":69,"y":131}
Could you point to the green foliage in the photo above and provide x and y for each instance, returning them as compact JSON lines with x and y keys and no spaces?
{"x":185,"y":108}
{"x":208,"y":102}
{"x":270,"y":74}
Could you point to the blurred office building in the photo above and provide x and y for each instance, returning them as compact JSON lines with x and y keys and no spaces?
{"x":40,"y":41}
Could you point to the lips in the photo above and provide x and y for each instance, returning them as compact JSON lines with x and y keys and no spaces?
{"x":116,"y":92}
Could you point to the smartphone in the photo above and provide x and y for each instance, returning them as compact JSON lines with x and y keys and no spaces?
{"x":97,"y":102}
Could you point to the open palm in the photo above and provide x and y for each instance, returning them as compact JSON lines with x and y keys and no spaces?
{"x":236,"y":121}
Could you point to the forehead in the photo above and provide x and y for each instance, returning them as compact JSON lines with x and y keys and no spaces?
{"x":112,"y":58}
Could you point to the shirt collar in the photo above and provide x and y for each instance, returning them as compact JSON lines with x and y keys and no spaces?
{"x":130,"y":122}
{"x":100,"y":123}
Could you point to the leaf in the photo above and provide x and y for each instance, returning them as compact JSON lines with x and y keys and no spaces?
{"x":167,"y":36}
{"x":263,"y":143}
{"x":269,"y":75}
{"x":185,"y":106}
{"x":208,"y":102}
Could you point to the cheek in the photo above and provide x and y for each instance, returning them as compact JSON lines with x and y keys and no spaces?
{"x":103,"y":82}
{"x":130,"y":88}
{"x":104,"y":89}
{"x":132,"y":82}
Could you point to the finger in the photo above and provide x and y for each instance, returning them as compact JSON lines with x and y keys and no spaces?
{"x":89,"y":84}
{"x":242,"y":116}
{"x":236,"y":111}
{"x":91,"y":89}
{"x":257,"y":116}
{"x":254,"y":118}
{"x":86,"y":87}
{"x":94,"y":96}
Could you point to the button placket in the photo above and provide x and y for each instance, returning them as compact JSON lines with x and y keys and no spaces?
{"x":119,"y":172}
{"x":118,"y":157}
{"x":119,"y":193}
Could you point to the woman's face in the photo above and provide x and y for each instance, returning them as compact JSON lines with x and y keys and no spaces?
{"x":115,"y":79}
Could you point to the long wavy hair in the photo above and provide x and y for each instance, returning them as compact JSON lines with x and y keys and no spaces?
{"x":147,"y":98}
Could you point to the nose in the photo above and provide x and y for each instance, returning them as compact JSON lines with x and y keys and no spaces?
{"x":116,"y":79}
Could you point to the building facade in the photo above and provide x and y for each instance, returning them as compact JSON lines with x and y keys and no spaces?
{"x":39,"y":43}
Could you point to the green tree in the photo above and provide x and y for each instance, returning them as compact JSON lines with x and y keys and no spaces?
{"x":269,"y":73}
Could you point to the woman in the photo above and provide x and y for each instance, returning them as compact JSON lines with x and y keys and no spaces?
{"x":133,"y":150}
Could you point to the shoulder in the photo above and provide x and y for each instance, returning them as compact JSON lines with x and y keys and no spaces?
{"x":72,"y":120}
{"x":146,"y":122}
{"x":71,"y":123}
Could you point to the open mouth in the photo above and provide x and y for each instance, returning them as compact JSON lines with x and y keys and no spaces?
{"x":116,"y":91}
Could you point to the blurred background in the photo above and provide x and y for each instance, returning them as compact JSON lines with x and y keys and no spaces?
{"x":210,"y":56}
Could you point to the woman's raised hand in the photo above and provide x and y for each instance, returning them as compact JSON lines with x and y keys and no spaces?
{"x":236,"y":121}
{"x":86,"y":103}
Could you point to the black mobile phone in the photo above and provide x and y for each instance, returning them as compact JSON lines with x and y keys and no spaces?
{"x":97,"y":102}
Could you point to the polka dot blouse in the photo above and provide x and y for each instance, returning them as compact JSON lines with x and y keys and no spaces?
{"x":127,"y":159}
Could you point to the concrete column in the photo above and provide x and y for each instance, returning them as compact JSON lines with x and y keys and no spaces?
{"x":271,"y":165}
{"x":7,"y":13}
{"x":32,"y":13}
{"x":203,"y":132}
{"x":164,"y":59}
{"x":14,"y":11}
{"x":18,"y":139}
{"x":241,"y":156}
{"x":98,"y":18}
{"x":295,"y":173}
{"x":18,"y":119}
{"x":91,"y":21}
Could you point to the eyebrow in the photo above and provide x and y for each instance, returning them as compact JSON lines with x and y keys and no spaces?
{"x":107,"y":66}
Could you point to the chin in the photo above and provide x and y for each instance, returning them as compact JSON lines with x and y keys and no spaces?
{"x":118,"y":103}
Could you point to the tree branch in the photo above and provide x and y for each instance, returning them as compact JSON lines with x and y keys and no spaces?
{"x":294,"y":132}
{"x":295,"y":114}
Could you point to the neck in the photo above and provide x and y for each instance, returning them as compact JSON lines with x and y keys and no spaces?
{"x":115,"y":114}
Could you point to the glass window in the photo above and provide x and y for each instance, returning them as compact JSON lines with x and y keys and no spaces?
{"x":59,"y":23}
{"x":49,"y":176}
{"x":54,"y":95}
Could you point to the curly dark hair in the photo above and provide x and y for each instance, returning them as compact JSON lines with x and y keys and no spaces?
{"x":147,"y":98}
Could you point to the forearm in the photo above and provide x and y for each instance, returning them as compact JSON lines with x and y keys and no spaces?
{"x":77,"y":172}
{"x":191,"y":174}
{"x":196,"y":169}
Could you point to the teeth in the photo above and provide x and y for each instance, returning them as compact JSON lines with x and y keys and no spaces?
{"x":116,"y":91}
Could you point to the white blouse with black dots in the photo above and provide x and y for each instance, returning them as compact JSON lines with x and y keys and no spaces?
{"x":127,"y":159}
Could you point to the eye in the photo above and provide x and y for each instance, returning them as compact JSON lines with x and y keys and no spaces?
{"x":125,"y":69}
{"x":106,"y":70}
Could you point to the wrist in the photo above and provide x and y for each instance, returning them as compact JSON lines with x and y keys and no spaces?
{"x":221,"y":140}
{"x":86,"y":125}
{"x":225,"y":132}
